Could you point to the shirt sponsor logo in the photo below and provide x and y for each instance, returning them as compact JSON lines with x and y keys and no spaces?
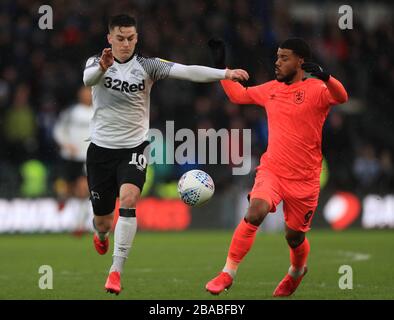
{"x":123,"y":86}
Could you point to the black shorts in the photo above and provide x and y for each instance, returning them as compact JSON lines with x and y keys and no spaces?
{"x":71,"y":170}
{"x":108,"y":169}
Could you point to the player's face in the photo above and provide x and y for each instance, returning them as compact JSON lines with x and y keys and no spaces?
{"x":287,"y":65}
{"x":123,"y":41}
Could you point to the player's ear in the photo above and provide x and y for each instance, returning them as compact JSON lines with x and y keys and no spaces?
{"x":109,"y":38}
{"x":136,"y":37}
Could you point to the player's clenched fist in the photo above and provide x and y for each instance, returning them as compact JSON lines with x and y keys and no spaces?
{"x":237,"y":75}
{"x":107,"y":59}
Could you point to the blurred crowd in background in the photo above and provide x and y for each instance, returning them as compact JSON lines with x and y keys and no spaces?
{"x":41,"y":74}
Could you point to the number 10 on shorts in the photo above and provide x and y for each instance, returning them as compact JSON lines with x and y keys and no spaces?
{"x":139,"y":160}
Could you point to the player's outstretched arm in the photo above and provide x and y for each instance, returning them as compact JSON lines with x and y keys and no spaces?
{"x":237,"y":93}
{"x":205,"y":74}
{"x":96,"y":67}
{"x":335,"y":88}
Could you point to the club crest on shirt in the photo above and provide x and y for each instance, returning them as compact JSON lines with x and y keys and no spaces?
{"x":299,"y":96}
{"x":94,"y":195}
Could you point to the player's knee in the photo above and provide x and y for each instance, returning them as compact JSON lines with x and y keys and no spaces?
{"x":295,"y":239}
{"x":257,"y":212}
{"x":128,"y":200}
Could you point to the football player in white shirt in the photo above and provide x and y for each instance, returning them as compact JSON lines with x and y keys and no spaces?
{"x":121,"y":82}
{"x":70,"y":133}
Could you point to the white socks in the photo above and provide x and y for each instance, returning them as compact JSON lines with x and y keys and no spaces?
{"x":231,"y":272}
{"x":296,"y":273}
{"x":125,"y":231}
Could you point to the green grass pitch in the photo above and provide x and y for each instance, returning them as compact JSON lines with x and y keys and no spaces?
{"x":177,"y":266}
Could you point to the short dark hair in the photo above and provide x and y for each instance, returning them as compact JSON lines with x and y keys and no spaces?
{"x":299,"y":47}
{"x":121,"y":20}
